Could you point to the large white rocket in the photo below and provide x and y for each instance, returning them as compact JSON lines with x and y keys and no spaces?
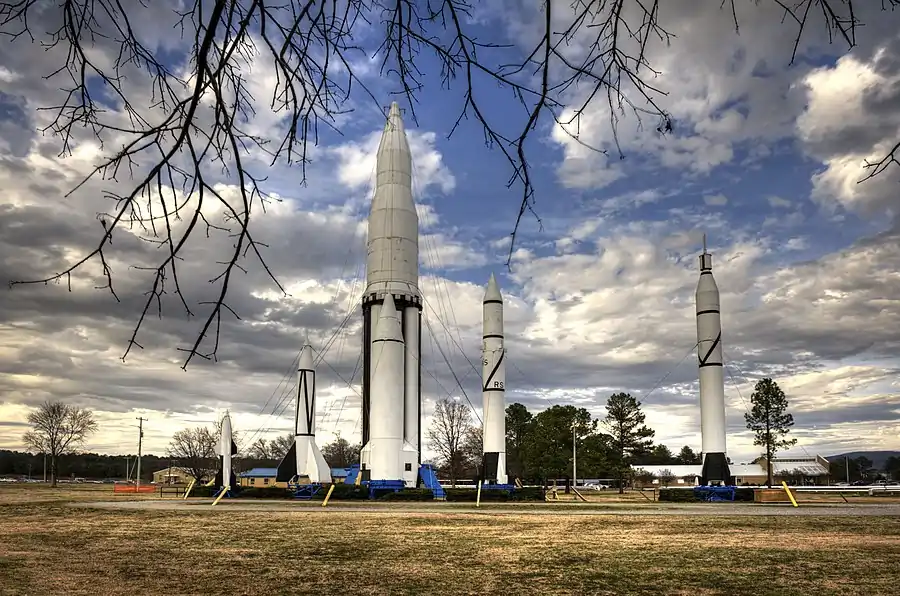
{"x":392,"y":318}
{"x":712,"y":380}
{"x":304,"y":458}
{"x":493,"y":376}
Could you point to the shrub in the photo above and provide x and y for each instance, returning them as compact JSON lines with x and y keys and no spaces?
{"x":677,"y":495}
{"x":409,"y":494}
{"x":264,"y":492}
{"x":530,"y":493}
{"x":345,"y":492}
{"x":743,"y":493}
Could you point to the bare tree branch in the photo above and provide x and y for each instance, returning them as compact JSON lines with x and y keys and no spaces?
{"x":163,"y":149}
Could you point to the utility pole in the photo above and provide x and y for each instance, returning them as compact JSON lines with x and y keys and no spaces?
{"x":574,"y":458}
{"x":847,"y":467}
{"x":140,"y":439}
{"x":45,"y":467}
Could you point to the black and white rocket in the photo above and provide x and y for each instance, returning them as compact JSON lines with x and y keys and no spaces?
{"x":712,"y":380}
{"x":304,"y":458}
{"x":493,"y":376}
{"x":392,"y":318}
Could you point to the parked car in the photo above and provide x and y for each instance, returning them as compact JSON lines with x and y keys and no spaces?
{"x":597,"y":486}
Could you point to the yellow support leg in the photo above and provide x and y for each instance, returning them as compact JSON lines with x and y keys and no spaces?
{"x":188,"y":491}
{"x":219,"y":498}
{"x":478,"y":497}
{"x":328,"y":496}
{"x":789,"y":493}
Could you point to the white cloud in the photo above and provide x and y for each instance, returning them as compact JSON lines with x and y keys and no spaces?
{"x":718,"y":200}
{"x":356,"y":163}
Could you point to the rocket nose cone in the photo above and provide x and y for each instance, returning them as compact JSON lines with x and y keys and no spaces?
{"x":492,"y":292}
{"x":388,"y":327}
{"x":394,"y":122}
{"x":306,"y":359}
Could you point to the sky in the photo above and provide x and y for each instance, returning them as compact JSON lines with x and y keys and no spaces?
{"x":764,"y":157}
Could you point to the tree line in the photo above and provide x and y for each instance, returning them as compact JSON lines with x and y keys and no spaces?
{"x":539,"y":447}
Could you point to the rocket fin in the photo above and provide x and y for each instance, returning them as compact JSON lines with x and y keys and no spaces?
{"x":287,"y":469}
{"x":318,"y":468}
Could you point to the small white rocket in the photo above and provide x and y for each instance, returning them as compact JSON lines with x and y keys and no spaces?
{"x":712,"y":381}
{"x":493,"y":375}
{"x":305,"y":458}
{"x":227,"y":448}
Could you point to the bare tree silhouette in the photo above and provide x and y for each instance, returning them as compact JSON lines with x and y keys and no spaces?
{"x":167,"y":144}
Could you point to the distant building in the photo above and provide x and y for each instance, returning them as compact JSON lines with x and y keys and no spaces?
{"x":812,"y":469}
{"x":262,"y":477}
{"x":172,"y":475}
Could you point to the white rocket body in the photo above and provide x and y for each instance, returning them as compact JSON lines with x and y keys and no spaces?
{"x":493,"y":375}
{"x":392,"y":271}
{"x":310,"y":461}
{"x":712,"y":381}
{"x":225,"y":442}
{"x":386,"y":454}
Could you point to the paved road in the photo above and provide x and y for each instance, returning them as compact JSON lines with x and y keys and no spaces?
{"x":698,"y":509}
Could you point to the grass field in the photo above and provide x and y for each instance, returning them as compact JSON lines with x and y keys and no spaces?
{"x":50,"y":547}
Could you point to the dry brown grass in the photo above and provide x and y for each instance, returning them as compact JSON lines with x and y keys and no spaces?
{"x":47,"y":546}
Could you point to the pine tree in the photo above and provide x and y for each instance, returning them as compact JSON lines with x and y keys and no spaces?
{"x":770,"y":421}
{"x":628,"y":435}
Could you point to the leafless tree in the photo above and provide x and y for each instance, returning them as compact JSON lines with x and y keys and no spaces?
{"x":281,"y":445}
{"x":58,"y":429}
{"x":666,"y":477}
{"x":452,"y":421}
{"x":194,"y":450}
{"x":473,"y":446}
{"x":173,"y":137}
{"x":340,"y":453}
{"x":260,"y":449}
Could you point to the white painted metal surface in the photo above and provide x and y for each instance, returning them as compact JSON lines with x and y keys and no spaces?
{"x":709,"y":352}
{"x":382,"y":454}
{"x":392,"y":271}
{"x":225,"y":450}
{"x":493,"y":376}
{"x":412,"y":328}
{"x":392,"y":262}
{"x":309,"y":458}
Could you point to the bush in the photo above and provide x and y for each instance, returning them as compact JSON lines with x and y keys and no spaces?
{"x":345,"y":492}
{"x":677,"y":495}
{"x":204,"y":491}
{"x":529,"y":493}
{"x":743,"y":493}
{"x":409,"y":494}
{"x":264,"y":492}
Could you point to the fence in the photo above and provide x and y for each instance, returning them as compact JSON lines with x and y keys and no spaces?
{"x":133,"y":488}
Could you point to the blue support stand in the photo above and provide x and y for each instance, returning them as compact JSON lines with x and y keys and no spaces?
{"x":228,"y":493}
{"x":508,"y":488}
{"x":430,"y":480}
{"x":305,"y":492}
{"x":715,"y":493}
{"x":382,"y":486}
{"x":352,"y":473}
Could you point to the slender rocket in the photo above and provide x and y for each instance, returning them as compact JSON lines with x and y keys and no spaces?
{"x":227,"y":448}
{"x":493,"y":376}
{"x":391,"y":387}
{"x":712,"y":381}
{"x":305,"y":459}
